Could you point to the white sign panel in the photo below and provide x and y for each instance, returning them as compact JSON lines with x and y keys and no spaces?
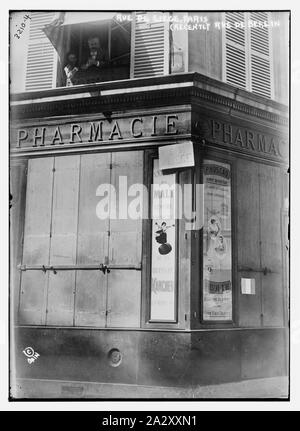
{"x":176,"y":156}
{"x":248,"y":286}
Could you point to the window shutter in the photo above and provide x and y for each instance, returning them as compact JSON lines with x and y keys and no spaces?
{"x":247,"y":52}
{"x":235,"y":51}
{"x":41,"y":56}
{"x":260,"y":56}
{"x":150,"y":47}
{"x":36,"y":249}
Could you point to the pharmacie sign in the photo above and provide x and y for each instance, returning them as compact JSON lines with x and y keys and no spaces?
{"x":98,"y":131}
{"x":116,"y":129}
{"x":246,"y":139}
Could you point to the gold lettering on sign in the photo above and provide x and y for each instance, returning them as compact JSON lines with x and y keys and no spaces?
{"x":75,"y":131}
{"x":154,"y":118}
{"x":216,"y":127}
{"x":171,"y":125}
{"x":57,"y":137}
{"x":272,"y":148}
{"x":280,"y":143}
{"x":247,"y":139}
{"x":239,"y":138}
{"x":140,"y":133}
{"x":115,"y":131}
{"x":227,"y":132}
{"x":261,"y":143}
{"x":22,"y":136}
{"x":96,"y":131}
{"x":37,"y":137}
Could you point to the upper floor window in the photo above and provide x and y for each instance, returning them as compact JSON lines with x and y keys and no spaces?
{"x":107,"y":46}
{"x":70,"y":48}
{"x":92,"y":47}
{"x":247,"y":52}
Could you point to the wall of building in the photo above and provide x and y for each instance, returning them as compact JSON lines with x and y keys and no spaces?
{"x":205,"y":48}
{"x":206,"y":51}
{"x":281,"y":54}
{"x":234,"y":126}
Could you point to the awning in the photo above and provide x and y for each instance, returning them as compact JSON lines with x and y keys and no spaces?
{"x":71,"y":18}
{"x":54,"y":30}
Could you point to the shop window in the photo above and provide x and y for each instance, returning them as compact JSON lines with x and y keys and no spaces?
{"x":164,"y":247}
{"x":217,"y":239}
{"x":247,"y":52}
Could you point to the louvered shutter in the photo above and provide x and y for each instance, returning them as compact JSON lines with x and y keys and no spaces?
{"x":41,"y":56}
{"x":235,"y":50}
{"x":150,"y":46}
{"x":247,"y":52}
{"x":260,"y":55}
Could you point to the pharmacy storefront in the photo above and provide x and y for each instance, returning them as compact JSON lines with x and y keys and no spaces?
{"x":149,"y":233}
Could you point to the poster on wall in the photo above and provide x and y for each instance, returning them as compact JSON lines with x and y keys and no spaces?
{"x":163,"y":246}
{"x":217,"y":282}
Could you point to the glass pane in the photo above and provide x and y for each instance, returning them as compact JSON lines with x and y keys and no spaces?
{"x":163,"y":246}
{"x":217,"y":266}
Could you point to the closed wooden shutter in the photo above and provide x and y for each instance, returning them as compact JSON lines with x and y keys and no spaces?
{"x":235,"y":51}
{"x":63,"y":241}
{"x":18,"y":173}
{"x":92,"y":245}
{"x":36,"y":250}
{"x":247,"y":52}
{"x":70,"y":230}
{"x":271,"y":244}
{"x":259,"y":239}
{"x":149,"y":47}
{"x":41,"y":56}
{"x":248,"y":238}
{"x":260,"y":56}
{"x":125,"y":241}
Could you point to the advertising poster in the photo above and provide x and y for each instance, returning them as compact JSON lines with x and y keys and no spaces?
{"x":163,"y":246}
{"x":217,"y":283}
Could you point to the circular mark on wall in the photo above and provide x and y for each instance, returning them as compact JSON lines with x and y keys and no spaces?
{"x":28,"y":351}
{"x":114,"y":357}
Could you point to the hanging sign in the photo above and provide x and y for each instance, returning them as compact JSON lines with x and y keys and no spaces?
{"x":176,"y":156}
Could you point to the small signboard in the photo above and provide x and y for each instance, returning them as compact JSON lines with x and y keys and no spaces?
{"x":176,"y":156}
{"x":248,"y":286}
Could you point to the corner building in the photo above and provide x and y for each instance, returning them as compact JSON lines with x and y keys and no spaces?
{"x":96,"y":297}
